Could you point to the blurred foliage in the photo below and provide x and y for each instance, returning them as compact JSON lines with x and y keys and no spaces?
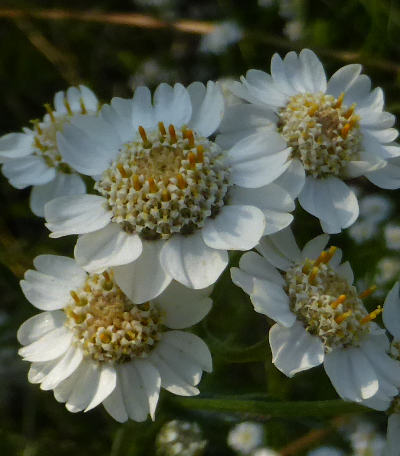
{"x":42,"y":56}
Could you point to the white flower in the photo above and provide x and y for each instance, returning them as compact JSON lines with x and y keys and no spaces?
{"x":375,"y":208}
{"x":388,"y":269}
{"x":93,"y":345}
{"x":223,"y":35}
{"x":320,"y":315}
{"x":294,"y":29}
{"x":337,"y":130}
{"x":326,"y":451}
{"x":229,"y":97}
{"x":180,"y":438}
{"x":246,"y":436}
{"x":392,"y":236}
{"x":33,"y":157}
{"x":170,"y":201}
{"x":264,"y":452}
{"x":362,"y":230}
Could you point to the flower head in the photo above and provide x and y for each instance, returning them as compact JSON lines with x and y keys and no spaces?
{"x":93,"y":345}
{"x":169,"y":197}
{"x":180,"y":438}
{"x":320,"y":315}
{"x":336,"y":129}
{"x":245,"y":437}
{"x":34,"y":158}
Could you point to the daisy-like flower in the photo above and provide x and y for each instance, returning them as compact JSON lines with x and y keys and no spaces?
{"x":93,"y":345}
{"x":320,"y":315}
{"x":170,"y":201}
{"x":34,"y":158}
{"x":246,"y":436}
{"x":337,"y":129}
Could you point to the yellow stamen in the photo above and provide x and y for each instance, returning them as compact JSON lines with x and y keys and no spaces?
{"x":371,"y":316}
{"x":79,"y":318}
{"x":38,"y":144}
{"x":192,"y":158}
{"x":345,"y":131}
{"x":83,"y":107}
{"x":152,"y":185}
{"x":105,"y":338}
{"x":165,"y":195}
{"x":136,"y":182}
{"x":200,"y":154}
{"x":172,"y":134}
{"x":36,"y":124}
{"x":143,"y":135}
{"x":75,"y":297}
{"x":107,"y":276}
{"x":181,"y":181}
{"x":338,"y":301}
{"x":67,"y":105}
{"x":121,"y":170}
{"x":339,"y":101}
{"x":331,"y":253}
{"x":190,"y":137}
{"x":162,"y":129}
{"x":321,"y":258}
{"x":350,"y":111}
{"x":313,"y":109}
{"x":367,"y":292}
{"x":50,"y":112}
{"x":313,"y":274}
{"x":340,"y":318}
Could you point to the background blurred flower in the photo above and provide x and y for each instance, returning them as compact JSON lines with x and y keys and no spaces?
{"x":245,"y":437}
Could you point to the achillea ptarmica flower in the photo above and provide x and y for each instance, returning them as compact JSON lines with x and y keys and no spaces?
{"x":171,"y":201}
{"x":246,"y":436}
{"x":180,"y":438}
{"x":337,"y":129}
{"x":320,"y":315}
{"x":34,"y":158}
{"x":93,"y":345}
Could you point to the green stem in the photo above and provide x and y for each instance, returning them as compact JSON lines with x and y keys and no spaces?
{"x":265,"y":410}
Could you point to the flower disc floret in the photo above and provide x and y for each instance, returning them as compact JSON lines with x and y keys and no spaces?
{"x":107,"y":326}
{"x":327,"y":304}
{"x":323,"y":133}
{"x":165,"y":182}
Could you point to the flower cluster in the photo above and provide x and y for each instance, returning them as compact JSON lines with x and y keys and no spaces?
{"x":179,"y":179}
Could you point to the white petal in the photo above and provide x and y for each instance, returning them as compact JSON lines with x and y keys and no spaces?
{"x":358,"y":91}
{"x":293,"y":179}
{"x":15,"y":145}
{"x":89,"y":98}
{"x":119,"y":117}
{"x":115,"y":405}
{"x":38,"y":371}
{"x":73,"y":96}
{"x":85,"y":387}
{"x":391,"y":311}
{"x":294,"y":71}
{"x":234,"y":228}
{"x":246,"y":118}
{"x":259,"y":267}
{"x":387,"y":177}
{"x":345,"y":271}
{"x":142,"y":109}
{"x":377,"y":150}
{"x":285,"y":242}
{"x":313,"y":72}
{"x":62,"y":185}
{"x":105,"y":248}
{"x":258,"y":159}
{"x":133,"y":392}
{"x":183,"y":307}
{"x":29,"y":170}
{"x":61,"y":267}
{"x":278,"y":73}
{"x":343,"y":79}
{"x":145,"y":278}
{"x":332,"y":201}
{"x":76,"y":214}
{"x":393,"y":435}
{"x":39,"y":325}
{"x":50,"y":346}
{"x":207,"y":107}
{"x":191,"y":262}
{"x":294,"y":349}
{"x":64,"y":389}
{"x":272,"y":254}
{"x":172,"y":105}
{"x":313,"y":248}
{"x":65,"y":367}
{"x":151,"y":382}
{"x":106,"y":385}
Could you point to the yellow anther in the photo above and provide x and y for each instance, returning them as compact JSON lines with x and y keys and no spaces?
{"x":105,"y":338}
{"x":339,"y":101}
{"x":190,"y":137}
{"x":371,"y":316}
{"x":165,"y":195}
{"x":75,"y":297}
{"x":50,"y":112}
{"x":307,"y":266}
{"x":143,"y":135}
{"x":79,"y":318}
{"x":340,"y":318}
{"x":68,"y":107}
{"x":83,"y":107}
{"x":350,"y":111}
{"x":172,"y":134}
{"x":331,"y":253}
{"x":313,"y":109}
{"x":87,"y":288}
{"x":136,"y":182}
{"x":162,"y":129}
{"x":313,"y":275}
{"x":152,"y":185}
{"x":192,"y":158}
{"x":122,"y":170}
{"x":338,"y":301}
{"x":321,"y":258}
{"x":200,"y":154}
{"x":38,"y":144}
{"x":36,"y":124}
{"x":367,"y":292}
{"x":106,"y":275}
{"x":345,"y":131}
